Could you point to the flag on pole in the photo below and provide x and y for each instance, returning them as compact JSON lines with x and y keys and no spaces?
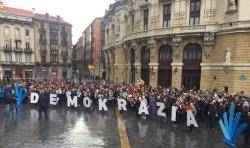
{"x":91,"y":67}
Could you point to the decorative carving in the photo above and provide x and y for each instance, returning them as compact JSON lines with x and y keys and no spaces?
{"x":133,"y":45}
{"x":151,"y":42}
{"x":228,"y":56}
{"x":208,"y":44}
{"x":176,"y":45}
{"x":232,"y":5}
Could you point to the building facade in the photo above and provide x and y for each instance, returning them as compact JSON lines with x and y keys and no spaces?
{"x":17,"y":45}
{"x":53,"y":41}
{"x":181,"y":43}
{"x":34,"y":45}
{"x":93,"y":41}
{"x":78,"y":58}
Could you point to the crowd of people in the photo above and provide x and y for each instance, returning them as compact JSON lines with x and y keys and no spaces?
{"x":207,"y":106}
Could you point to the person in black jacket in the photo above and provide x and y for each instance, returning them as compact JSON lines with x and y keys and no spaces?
{"x":212,"y":113}
{"x":43,"y":104}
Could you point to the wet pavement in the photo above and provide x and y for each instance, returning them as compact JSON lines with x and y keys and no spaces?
{"x":77,"y":128}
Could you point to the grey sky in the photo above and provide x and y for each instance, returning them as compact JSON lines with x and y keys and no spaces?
{"x":80,"y":13}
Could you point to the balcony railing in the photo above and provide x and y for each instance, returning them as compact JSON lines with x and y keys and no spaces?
{"x":28,"y":50}
{"x":53,"y":41}
{"x":193,"y":28}
{"x":7,"y":49}
{"x":43,"y":52}
{"x":42,"y":41}
{"x":42,"y":30}
{"x":53,"y":30}
{"x":17,"y":49}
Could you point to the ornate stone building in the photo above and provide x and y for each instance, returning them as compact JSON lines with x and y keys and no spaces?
{"x":34,"y":45}
{"x":17,"y":58}
{"x":191,"y":43}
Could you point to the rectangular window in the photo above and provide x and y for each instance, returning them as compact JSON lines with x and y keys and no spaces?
{"x":27,"y":58}
{"x":18,"y":44}
{"x":166,"y":15}
{"x":8,"y":57}
{"x":54,"y":37}
{"x":132,"y":22}
{"x":18,"y":57}
{"x":194,"y":12}
{"x":53,"y":47}
{"x":27,"y":32}
{"x":43,"y":59}
{"x":145,"y":25}
{"x":7,"y":44}
{"x":43,"y":47}
{"x":53,"y":27}
{"x":27,"y":46}
{"x":54,"y":58}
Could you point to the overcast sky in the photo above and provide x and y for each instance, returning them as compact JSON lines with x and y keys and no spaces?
{"x":80,"y":13}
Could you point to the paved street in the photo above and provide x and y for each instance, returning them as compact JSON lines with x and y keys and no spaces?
{"x":81,"y":128}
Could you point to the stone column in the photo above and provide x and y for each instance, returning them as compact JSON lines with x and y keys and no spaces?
{"x":128,"y":73}
{"x":153,"y":65}
{"x":137,"y":71}
{"x":177,"y":62}
{"x":153,"y":74}
{"x":176,"y":74}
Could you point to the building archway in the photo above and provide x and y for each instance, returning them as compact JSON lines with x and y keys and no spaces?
{"x":191,"y":72}
{"x":165,"y":58}
{"x":145,"y":60}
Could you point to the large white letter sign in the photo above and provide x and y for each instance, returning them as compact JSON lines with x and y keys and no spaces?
{"x":102,"y":104}
{"x":143,"y":108}
{"x":173,"y":116}
{"x":87,"y":102}
{"x":122,"y":104}
{"x":71,"y":101}
{"x":34,"y":97}
{"x":191,"y":119}
{"x":53,"y":99}
{"x":161,"y":108}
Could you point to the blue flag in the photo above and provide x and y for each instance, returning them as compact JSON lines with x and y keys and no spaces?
{"x":21,"y":95}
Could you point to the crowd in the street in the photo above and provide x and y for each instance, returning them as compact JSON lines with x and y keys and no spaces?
{"x":207,"y":106}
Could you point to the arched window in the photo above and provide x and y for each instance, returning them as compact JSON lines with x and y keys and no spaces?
{"x":195,"y":6}
{"x":165,"y":54}
{"x":192,"y":52}
{"x":145,"y":55}
{"x":113,"y":30}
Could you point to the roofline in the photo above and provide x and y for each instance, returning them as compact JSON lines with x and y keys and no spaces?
{"x":34,"y":16}
{"x":95,"y":19}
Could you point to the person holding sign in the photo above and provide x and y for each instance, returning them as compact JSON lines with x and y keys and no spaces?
{"x":191,"y":112}
{"x":174,"y":111}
